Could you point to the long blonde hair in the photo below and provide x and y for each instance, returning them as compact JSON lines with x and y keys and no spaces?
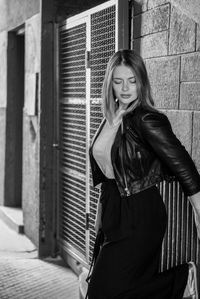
{"x":134,"y":61}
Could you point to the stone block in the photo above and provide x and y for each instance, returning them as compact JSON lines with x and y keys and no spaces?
{"x":153,"y":45}
{"x":140,"y":6}
{"x":190,"y":67}
{"x":182,"y":33}
{"x":151,"y":21}
{"x":164,"y":78}
{"x":181,"y":122}
{"x":154,"y":3}
{"x":190,"y":7}
{"x":196,"y":139}
{"x":190,"y":95}
{"x":3,"y":69}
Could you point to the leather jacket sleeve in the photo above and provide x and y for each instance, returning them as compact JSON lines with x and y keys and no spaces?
{"x":157,"y":131}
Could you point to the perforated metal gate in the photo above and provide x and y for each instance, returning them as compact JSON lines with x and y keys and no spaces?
{"x":102,"y":47}
{"x":73,"y":137}
{"x":180,"y":244}
{"x":86,"y":43}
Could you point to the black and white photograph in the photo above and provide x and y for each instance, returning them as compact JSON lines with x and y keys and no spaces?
{"x":100,"y":149}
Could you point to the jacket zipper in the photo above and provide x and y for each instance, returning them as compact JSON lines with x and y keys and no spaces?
{"x":123,"y":170}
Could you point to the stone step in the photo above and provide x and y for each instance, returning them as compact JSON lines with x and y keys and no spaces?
{"x":13,"y":217}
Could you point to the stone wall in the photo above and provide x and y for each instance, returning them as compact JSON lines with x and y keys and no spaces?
{"x":15,"y":13}
{"x":31,"y":130}
{"x":168,"y":38}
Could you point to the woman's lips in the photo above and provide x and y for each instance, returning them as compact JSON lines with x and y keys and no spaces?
{"x":125,"y":96}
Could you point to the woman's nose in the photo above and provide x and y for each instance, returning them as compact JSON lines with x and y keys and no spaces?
{"x":125,"y":86}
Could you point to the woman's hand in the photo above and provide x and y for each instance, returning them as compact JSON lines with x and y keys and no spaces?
{"x":98,"y":223}
{"x":195,"y":202}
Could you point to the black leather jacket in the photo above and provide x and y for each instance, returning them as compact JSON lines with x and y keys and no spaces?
{"x":146,"y":151}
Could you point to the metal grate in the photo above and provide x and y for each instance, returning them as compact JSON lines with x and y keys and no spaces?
{"x":73,"y":132}
{"x":72,"y":211}
{"x":102,"y":46}
{"x":72,"y":207}
{"x":180,"y":244}
{"x":95,"y":120}
{"x":76,"y":196}
{"x":72,"y":61}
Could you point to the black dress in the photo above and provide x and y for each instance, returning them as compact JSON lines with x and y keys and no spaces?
{"x":128,"y":263}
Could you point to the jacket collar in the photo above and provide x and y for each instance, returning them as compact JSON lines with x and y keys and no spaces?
{"x":129,"y":115}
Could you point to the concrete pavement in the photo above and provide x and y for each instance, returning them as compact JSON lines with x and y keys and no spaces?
{"x":24,"y":276}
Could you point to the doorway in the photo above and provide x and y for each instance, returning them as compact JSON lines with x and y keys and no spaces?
{"x":14,"y":118}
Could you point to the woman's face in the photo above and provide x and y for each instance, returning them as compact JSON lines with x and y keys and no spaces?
{"x":124,"y":85}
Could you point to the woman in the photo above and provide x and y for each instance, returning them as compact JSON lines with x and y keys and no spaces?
{"x":133,"y":150}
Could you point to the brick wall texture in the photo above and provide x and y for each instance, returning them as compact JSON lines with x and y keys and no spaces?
{"x":168,"y":38}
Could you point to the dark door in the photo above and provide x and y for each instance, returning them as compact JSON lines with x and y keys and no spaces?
{"x":14,"y":116}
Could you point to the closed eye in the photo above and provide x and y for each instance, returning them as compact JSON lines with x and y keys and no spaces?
{"x":132,"y":81}
{"x":117,"y":81}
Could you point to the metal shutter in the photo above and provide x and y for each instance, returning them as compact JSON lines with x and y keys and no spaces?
{"x":80,"y":116}
{"x":102,"y":47}
{"x":180,"y":244}
{"x":73,"y":137}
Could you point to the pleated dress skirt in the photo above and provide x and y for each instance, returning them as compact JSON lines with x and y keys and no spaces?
{"x":127,"y":266}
